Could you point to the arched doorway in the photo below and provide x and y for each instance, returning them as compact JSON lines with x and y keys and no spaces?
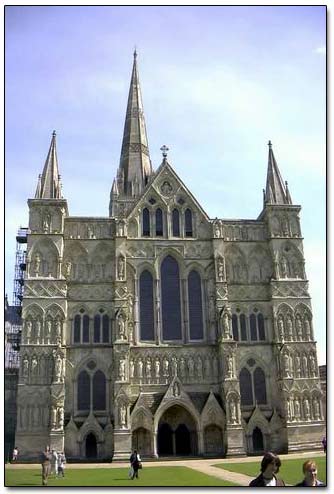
{"x":177,"y":434}
{"x":213,"y":440}
{"x":165,"y":440}
{"x":141,"y":441}
{"x":257,"y":437}
{"x":182,"y":440}
{"x":91,"y":446}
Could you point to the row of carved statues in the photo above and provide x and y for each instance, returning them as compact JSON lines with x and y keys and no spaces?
{"x":35,"y":332}
{"x":298,"y":328}
{"x":300,"y":409}
{"x":44,"y":368}
{"x":36,"y":416}
{"x":299,"y":365}
{"x":155,"y":368}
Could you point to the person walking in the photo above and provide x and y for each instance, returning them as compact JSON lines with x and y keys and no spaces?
{"x":270,"y":466}
{"x":310,"y":472}
{"x":135,"y":462}
{"x":15,"y":454}
{"x":61,"y":464}
{"x":324,"y":443}
{"x":46,"y":458}
{"x":54,"y":463}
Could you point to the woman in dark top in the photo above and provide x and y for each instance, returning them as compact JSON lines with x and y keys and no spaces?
{"x":310,"y":472}
{"x":270,"y":465}
{"x":134,"y":462}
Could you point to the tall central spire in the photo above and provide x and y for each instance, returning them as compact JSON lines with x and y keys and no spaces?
{"x":135,"y":163}
{"x":276,"y":192}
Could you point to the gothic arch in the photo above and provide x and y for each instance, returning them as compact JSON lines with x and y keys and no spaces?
{"x":175,"y":254}
{"x":44,"y":245}
{"x":99,"y":365}
{"x":32,"y":310}
{"x":80,"y":306}
{"x":54,"y":310}
{"x":141,"y":417}
{"x":187,"y":405}
{"x":146,"y":266}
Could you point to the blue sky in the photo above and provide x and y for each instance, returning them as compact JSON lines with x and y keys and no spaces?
{"x":217,"y":84}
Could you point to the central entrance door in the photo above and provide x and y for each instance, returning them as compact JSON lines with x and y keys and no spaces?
{"x":177,"y":434}
{"x":91,"y":446}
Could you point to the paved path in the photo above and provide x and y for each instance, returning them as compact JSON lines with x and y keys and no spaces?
{"x":206,"y":466}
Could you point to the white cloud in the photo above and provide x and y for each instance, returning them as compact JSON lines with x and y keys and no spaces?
{"x":321,"y":50}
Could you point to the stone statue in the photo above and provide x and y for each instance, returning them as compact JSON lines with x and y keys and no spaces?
{"x":130,"y":306}
{"x":165,"y":367}
{"x":46,"y":223}
{"x":90,"y":232}
{"x":68,"y":269}
{"x":280,"y":326}
{"x":132,"y":368}
{"x":199,"y":368}
{"x":174,"y":366}
{"x":60,"y":416}
{"x":121,"y":369}
{"x":140,"y":368}
{"x":286,"y":365}
{"x":122,"y":417}
{"x":230,"y":370}
{"x":316,"y":409}
{"x":289,"y":328}
{"x":28,"y":329}
{"x":176,"y":389}
{"x":297,"y":366}
{"x":233,"y":412}
{"x":221,"y":269}
{"x":37,"y":330}
{"x":287,"y":409}
{"x":58,"y":368}
{"x":216,"y":229}
{"x":313,"y":369}
{"x":148,"y":369}
{"x":120,"y":267}
{"x":215,"y":367}
{"x":34,"y":366}
{"x":307,"y":328}
{"x":121,"y":228}
{"x":307,"y":409}
{"x":305,"y":366}
{"x":299,"y":329}
{"x":207,"y":367}
{"x":157,"y":367}
{"x":58,"y":330}
{"x":53,"y":417}
{"x":191,"y":367}
{"x":183,"y":371}
{"x":297,"y":410}
{"x":37,"y":264}
{"x":226,"y":325}
{"x":25,"y":367}
{"x":121,"y":327}
{"x":284,"y":268}
{"x":48,"y":327}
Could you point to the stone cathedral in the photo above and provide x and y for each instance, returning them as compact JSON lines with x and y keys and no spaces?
{"x":160,"y":329}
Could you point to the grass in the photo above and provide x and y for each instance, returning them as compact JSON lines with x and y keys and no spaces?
{"x":149,"y":476}
{"x":290,"y":471}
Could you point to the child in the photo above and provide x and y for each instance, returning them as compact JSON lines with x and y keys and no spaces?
{"x":61,"y":464}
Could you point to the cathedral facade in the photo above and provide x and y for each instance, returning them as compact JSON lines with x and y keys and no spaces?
{"x":160,"y":329}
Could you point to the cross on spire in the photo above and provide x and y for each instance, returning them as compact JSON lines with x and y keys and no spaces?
{"x":164,"y":150}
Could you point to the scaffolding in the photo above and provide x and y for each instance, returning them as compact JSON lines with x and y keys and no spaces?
{"x":13,"y":322}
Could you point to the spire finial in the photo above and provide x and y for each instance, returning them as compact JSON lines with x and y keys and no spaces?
{"x":54,"y":133}
{"x":269,"y":144}
{"x":135,"y":53}
{"x":164,"y":150}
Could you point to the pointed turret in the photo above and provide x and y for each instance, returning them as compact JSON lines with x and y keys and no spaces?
{"x":135,"y":159}
{"x":276,"y":192}
{"x":49,"y":186}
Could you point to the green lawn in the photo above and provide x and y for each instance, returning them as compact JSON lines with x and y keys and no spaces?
{"x":290,"y":471}
{"x":149,"y":476}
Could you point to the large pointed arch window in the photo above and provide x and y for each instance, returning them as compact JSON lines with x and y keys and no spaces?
{"x":81,"y":327}
{"x":91,"y":389}
{"x":101,"y":327}
{"x":146,"y":223}
{"x":188,"y":223}
{"x":176,"y":223}
{"x":146,"y":307}
{"x":253,"y":388}
{"x":195,"y":306}
{"x":159,"y":227}
{"x":170,"y":299}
